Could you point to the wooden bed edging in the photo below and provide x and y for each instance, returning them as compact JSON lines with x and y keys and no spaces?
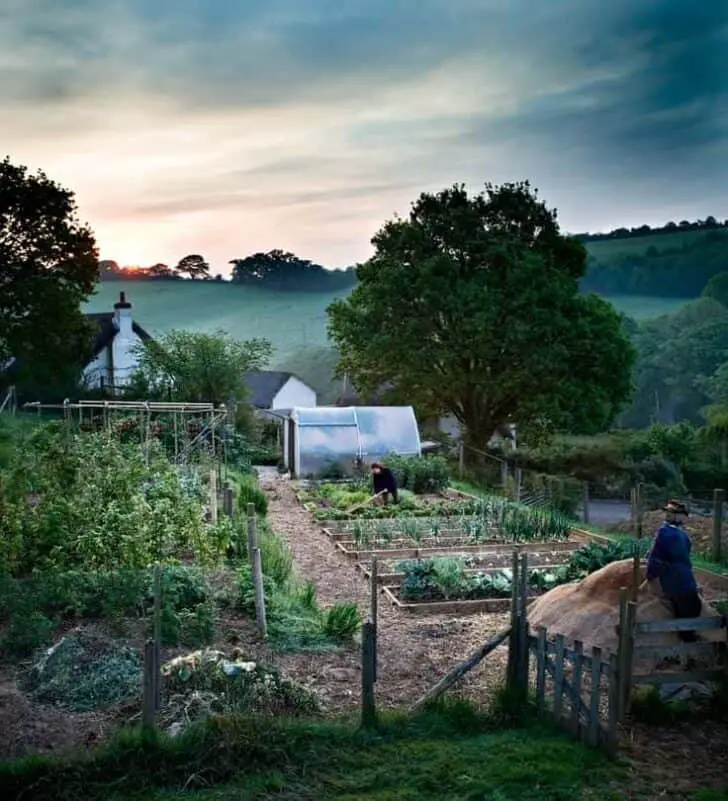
{"x":467,"y":607}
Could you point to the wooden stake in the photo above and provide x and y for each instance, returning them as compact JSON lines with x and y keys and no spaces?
{"x":374,"y":582}
{"x":622,"y":649}
{"x":461,"y":460}
{"x":157,"y":667}
{"x":717,"y":545}
{"x":149,"y":702}
{"x":635,"y":577}
{"x":368,"y":649}
{"x":260,"y":615}
{"x":213,"y":496}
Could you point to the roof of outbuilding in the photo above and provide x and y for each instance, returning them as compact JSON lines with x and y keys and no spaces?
{"x":264,"y":385}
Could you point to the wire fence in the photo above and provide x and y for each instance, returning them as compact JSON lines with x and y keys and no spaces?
{"x":635,"y":510}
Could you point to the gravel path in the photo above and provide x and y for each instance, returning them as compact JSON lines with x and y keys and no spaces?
{"x":413,"y":652}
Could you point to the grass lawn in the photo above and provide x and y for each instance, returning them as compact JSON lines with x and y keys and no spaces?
{"x":453,"y":753}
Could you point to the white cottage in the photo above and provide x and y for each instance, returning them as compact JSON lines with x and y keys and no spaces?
{"x":114,"y":360}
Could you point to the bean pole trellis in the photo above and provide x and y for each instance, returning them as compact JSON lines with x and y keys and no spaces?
{"x":195,"y":428}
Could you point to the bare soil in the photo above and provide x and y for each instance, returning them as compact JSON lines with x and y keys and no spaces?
{"x":413,"y":654}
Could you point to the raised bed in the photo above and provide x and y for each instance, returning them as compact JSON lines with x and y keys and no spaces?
{"x":424,"y":550}
{"x":387,"y":577}
{"x":466,"y":607}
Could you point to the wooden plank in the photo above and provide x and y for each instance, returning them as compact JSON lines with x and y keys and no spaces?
{"x":470,"y":607}
{"x":454,"y":675}
{"x":612,"y":743}
{"x":675,"y":651}
{"x":576,"y":687}
{"x":594,"y":697}
{"x":558,"y":676}
{"x":631,"y":620}
{"x":567,"y":688}
{"x":622,"y":648}
{"x":523,"y":651}
{"x":541,"y":655}
{"x":686,"y":624}
{"x":655,"y":679}
{"x":586,"y":658}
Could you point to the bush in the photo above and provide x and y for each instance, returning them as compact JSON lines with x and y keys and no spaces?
{"x":420,"y":474}
{"x":96,"y":502}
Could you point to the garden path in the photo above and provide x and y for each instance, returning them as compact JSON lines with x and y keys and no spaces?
{"x":413,"y":652}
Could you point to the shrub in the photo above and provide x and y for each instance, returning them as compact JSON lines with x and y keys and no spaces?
{"x":342,"y":620}
{"x":420,"y":474}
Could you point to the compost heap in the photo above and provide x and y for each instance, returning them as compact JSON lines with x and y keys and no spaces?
{"x":588,"y":610}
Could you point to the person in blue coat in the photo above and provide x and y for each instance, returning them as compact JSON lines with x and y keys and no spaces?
{"x":669,"y":561}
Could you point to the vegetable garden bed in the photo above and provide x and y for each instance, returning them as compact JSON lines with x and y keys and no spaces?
{"x":412,"y":549}
{"x":458,"y":607}
{"x":389,"y":574}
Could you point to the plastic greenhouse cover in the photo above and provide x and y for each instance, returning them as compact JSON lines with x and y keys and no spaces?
{"x":387,"y":429}
{"x":325,"y":416}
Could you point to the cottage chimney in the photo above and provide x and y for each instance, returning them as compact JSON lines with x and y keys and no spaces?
{"x":122,"y":316}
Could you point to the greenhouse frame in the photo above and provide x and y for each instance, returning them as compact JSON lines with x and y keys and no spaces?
{"x":318,"y":438}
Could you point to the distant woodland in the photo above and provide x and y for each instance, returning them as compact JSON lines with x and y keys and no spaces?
{"x":277,"y":269}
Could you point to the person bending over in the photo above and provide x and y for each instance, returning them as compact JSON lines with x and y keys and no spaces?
{"x":384,"y":481}
{"x":669,"y":561}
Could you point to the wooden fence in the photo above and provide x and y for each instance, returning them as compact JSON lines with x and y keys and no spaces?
{"x":587,"y":694}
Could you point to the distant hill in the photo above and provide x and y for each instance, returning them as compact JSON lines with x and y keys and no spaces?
{"x":294,"y":323}
{"x":289,"y":320}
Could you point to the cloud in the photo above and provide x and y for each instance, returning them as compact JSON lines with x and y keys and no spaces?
{"x":228,"y":127}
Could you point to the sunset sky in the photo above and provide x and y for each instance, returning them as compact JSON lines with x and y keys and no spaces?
{"x":223,"y":128}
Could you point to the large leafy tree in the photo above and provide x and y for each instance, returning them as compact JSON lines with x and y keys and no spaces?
{"x":48,"y":267}
{"x":193,"y":265}
{"x":197,"y":367}
{"x":471,"y":306}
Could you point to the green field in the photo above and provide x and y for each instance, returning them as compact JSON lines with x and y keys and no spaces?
{"x":608,"y":249}
{"x":289,"y":320}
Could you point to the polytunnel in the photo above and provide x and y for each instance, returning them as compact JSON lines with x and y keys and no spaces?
{"x":318,"y":438}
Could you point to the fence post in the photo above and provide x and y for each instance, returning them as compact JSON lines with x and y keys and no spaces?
{"x":213,"y":496}
{"x":635,"y":576}
{"x":585,"y":501}
{"x":512,"y":671}
{"x":518,"y":483}
{"x":157,"y":652}
{"x":461,"y":460}
{"x":374,"y":578}
{"x":368,"y":649}
{"x":257,"y":570}
{"x":523,"y":653}
{"x":596,"y":690}
{"x":718,"y":501}
{"x":149,"y":703}
{"x":504,"y":474}
{"x":613,"y":720}
{"x":627,"y":619}
{"x":633,"y":507}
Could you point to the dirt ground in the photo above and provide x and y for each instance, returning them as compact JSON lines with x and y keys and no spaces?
{"x":413,"y":654}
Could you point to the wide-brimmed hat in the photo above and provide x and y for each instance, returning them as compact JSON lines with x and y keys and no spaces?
{"x":676,"y":507}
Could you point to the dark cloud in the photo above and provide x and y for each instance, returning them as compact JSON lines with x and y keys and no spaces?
{"x":659,"y":98}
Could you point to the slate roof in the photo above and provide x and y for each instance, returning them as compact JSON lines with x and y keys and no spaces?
{"x":105,"y":333}
{"x":264,"y":385}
